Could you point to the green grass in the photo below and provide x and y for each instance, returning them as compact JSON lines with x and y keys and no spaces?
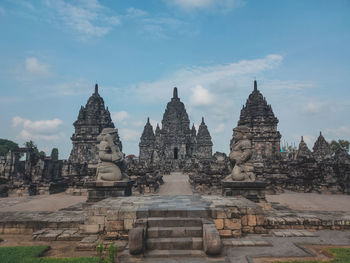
{"x":341,"y":255}
{"x":32,"y":255}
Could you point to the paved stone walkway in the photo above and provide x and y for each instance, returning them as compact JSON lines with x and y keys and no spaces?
{"x":312,"y":201}
{"x":53,"y":202}
{"x":175,"y":183}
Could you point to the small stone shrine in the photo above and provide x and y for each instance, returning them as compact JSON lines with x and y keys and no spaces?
{"x":92,"y":119}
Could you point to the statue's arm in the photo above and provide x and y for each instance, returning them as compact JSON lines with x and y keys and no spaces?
{"x":246,"y":149}
{"x":116,"y":155}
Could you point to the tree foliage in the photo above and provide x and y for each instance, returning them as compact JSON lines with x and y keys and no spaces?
{"x":6,"y":146}
{"x":54,"y":154}
{"x":336,"y":145}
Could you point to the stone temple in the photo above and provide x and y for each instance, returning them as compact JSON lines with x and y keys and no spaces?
{"x":92,"y":119}
{"x":175,"y":143}
{"x":259,"y":117}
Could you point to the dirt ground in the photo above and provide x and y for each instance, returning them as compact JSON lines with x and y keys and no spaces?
{"x":312,"y":201}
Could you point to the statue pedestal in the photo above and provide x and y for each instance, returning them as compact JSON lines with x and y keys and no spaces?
{"x":98,"y":191}
{"x":254,"y":191}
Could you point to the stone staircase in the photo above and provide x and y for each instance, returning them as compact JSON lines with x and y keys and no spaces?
{"x":174,"y":236}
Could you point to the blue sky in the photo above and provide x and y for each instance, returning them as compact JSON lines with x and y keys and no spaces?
{"x":53,"y":51}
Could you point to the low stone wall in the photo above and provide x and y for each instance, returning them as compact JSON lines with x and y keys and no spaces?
{"x":26,"y":222}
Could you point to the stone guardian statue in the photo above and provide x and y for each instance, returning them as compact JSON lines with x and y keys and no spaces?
{"x":111,"y":158}
{"x":240,"y":156}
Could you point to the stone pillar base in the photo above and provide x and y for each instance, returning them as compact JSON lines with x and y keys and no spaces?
{"x":98,"y":191}
{"x":254,"y":191}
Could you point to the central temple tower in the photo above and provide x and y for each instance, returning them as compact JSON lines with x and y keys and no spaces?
{"x":175,"y":142}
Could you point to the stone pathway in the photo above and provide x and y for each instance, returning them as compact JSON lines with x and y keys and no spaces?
{"x":53,"y":202}
{"x":175,"y":183}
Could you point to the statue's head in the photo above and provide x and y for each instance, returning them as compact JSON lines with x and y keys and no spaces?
{"x":242,"y":132}
{"x":108,"y":132}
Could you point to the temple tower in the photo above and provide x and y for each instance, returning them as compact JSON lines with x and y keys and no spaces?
{"x":175,"y":142}
{"x":92,"y":119}
{"x":204,"y":143}
{"x":259,"y":117}
{"x":321,"y":148}
{"x":147,"y":143}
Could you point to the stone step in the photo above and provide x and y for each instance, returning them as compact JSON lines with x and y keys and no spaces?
{"x":174,"y":222}
{"x":174,"y":253}
{"x":193,"y":212}
{"x":158,"y":232}
{"x":175,"y":243}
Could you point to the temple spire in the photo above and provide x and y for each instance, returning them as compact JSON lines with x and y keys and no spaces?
{"x":96,"y":88}
{"x":175,"y":93}
{"x":203,"y":120}
{"x":147,"y":119}
{"x":255,"y":85}
{"x":302,"y":138}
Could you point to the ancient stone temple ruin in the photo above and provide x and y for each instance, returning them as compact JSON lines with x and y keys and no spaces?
{"x":92,"y":119}
{"x":259,"y":117}
{"x":174,"y":143}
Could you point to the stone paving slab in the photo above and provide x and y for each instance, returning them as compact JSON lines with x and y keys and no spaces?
{"x":293,"y":233}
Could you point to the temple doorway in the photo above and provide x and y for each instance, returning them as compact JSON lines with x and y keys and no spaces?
{"x":176,"y":153}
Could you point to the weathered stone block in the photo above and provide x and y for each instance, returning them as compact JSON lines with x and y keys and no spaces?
{"x":219,"y":223}
{"x":233,"y":224}
{"x":225,"y":233}
{"x":251,"y":220}
{"x":115,"y":225}
{"x":211,"y":240}
{"x":136,"y":240}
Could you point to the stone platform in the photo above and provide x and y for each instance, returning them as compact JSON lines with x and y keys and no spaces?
{"x":98,"y":191}
{"x":231,"y":215}
{"x":254,"y":191}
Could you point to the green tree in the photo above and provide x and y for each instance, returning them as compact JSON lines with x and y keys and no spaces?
{"x":6,"y":146}
{"x":54,"y":154}
{"x":33,"y":146}
{"x":335,"y":145}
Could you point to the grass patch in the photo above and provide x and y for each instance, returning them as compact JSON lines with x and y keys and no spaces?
{"x":341,"y":255}
{"x":32,"y":255}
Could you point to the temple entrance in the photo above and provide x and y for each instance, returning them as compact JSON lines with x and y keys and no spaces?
{"x":176,"y":153}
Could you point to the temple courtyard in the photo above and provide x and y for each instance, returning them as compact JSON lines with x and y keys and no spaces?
{"x":289,"y":226}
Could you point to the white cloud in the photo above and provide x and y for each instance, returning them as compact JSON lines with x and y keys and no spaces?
{"x":129,"y":134}
{"x":88,"y":18}
{"x":137,"y":123}
{"x":201,"y":96}
{"x":342,"y":132}
{"x":37,"y":126}
{"x":314,"y":107}
{"x":135,"y":12}
{"x":119,"y":116}
{"x":223,"y":77}
{"x":33,"y":66}
{"x":220,"y":128}
{"x":42,"y":129}
{"x":189,"y":5}
{"x":26,"y":135}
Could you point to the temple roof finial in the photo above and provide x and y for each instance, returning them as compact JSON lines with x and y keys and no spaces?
{"x":96,"y":88}
{"x":147,"y":119}
{"x":302,"y":138}
{"x":255,"y":85}
{"x":175,"y":93}
{"x":203,"y":120}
